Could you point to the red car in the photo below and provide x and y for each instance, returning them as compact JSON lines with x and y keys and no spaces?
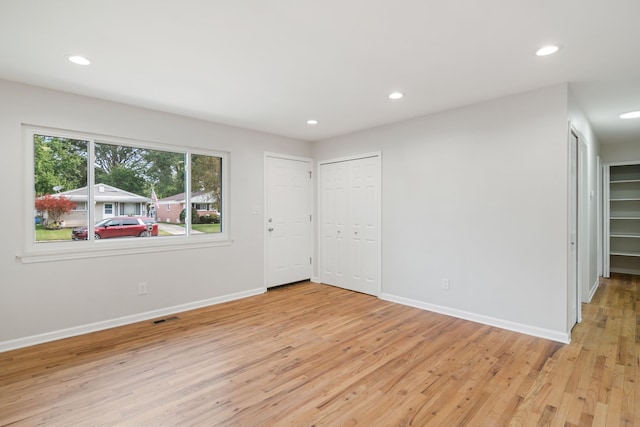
{"x":127,"y":226}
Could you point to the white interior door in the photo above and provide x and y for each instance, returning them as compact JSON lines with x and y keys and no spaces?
{"x":287,"y":220}
{"x":584,"y":244}
{"x":573,"y":230}
{"x":350,"y":224}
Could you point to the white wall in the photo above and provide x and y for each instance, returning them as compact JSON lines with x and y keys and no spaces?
{"x":43,"y":298}
{"x":477,"y":195}
{"x":612,"y":153}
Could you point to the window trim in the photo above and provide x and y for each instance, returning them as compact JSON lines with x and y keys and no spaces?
{"x":33,"y":251}
{"x":78,"y":207}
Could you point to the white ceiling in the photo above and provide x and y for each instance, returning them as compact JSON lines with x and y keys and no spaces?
{"x":270,"y":65}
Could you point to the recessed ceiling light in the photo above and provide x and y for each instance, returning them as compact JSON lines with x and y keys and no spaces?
{"x":547,"y":50}
{"x":630,"y":115}
{"x":312,"y":122}
{"x":77,"y":59}
{"x":396,"y":95}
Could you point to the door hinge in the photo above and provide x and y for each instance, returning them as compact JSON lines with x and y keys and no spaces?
{"x":310,"y":218}
{"x":309,"y":174}
{"x":310,"y":260}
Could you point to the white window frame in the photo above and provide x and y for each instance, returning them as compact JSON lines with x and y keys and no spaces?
{"x":53,"y":251}
{"x":80,"y":207}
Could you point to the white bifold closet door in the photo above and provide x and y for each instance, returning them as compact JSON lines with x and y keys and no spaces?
{"x":350,"y":224}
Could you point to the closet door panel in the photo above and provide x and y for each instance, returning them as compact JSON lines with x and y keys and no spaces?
{"x":372,"y":222}
{"x":333,"y":210}
{"x":328,"y":228}
{"x":356,"y":220}
{"x":364,"y":179}
{"x":341,"y":221}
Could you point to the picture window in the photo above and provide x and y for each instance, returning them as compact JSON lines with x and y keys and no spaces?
{"x":79,"y":181}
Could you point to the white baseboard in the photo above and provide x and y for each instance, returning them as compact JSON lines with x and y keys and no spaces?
{"x":121,"y":321}
{"x":315,"y":279}
{"x":561,"y":337}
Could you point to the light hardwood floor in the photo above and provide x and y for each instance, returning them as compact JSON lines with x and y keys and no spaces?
{"x":315,"y":355}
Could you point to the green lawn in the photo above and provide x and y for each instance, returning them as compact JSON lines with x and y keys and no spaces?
{"x":44,"y":235}
{"x":204,"y":228}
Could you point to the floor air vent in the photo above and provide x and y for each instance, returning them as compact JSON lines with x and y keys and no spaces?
{"x":166,"y":319}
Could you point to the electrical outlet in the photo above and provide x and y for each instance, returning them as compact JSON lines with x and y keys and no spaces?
{"x":142,"y":288}
{"x":445,"y":284}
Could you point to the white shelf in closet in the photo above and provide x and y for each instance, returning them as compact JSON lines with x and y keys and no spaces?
{"x":624,"y":181}
{"x":625,"y":253}
{"x":622,"y":188}
{"x":625,"y":235}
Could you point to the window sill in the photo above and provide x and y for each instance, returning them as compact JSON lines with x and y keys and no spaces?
{"x":102,"y":249}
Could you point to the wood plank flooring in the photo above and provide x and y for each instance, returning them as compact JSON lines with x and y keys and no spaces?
{"x":316,"y":355}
